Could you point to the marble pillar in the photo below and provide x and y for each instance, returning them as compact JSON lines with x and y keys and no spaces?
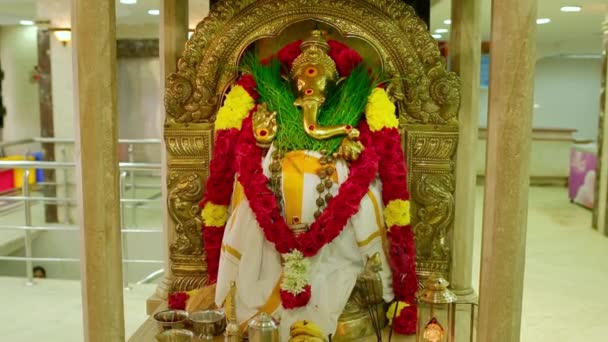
{"x":601,"y":196}
{"x":95,"y":105}
{"x":513,"y":54}
{"x":465,"y":56}
{"x":173,"y":37}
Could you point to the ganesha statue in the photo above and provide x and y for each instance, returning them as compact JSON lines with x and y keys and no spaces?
{"x":307,"y":184}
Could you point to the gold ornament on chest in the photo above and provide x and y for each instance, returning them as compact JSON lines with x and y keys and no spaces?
{"x":327,"y":174}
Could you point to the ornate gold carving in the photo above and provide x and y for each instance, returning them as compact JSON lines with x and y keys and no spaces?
{"x":184,"y":146}
{"x":432,"y":185}
{"x":186,"y":191}
{"x":189,"y":152}
{"x":427,"y":97}
{"x":189,"y":273}
{"x":410,"y":54}
{"x":433,"y":194}
{"x":187,"y":255}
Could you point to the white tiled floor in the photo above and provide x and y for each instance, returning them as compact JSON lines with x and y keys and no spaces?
{"x":51,"y":310}
{"x":564,"y":292}
{"x":566,"y":279}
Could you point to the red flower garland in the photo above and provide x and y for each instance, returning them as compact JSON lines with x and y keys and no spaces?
{"x":248,"y":83}
{"x":346,"y":59}
{"x":212,"y":239}
{"x":333,"y":220}
{"x":393,"y":175}
{"x":289,"y":53}
{"x":291,"y":301}
{"x":405,"y":323}
{"x":220,"y":183}
{"x":218,"y":187}
{"x":336,"y":48}
{"x":177,"y":300}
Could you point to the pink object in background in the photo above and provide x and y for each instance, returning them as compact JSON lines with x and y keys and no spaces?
{"x":581,"y":182}
{"x":7,"y":180}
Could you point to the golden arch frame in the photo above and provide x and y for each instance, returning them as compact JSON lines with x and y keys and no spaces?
{"x":427,"y":95}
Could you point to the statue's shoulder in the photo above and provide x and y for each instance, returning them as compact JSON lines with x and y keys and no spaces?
{"x":380,"y":111}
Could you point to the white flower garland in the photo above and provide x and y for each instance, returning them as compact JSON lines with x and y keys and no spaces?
{"x":296,"y":272}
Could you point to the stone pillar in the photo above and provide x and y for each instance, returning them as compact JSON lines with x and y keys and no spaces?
{"x":94,"y":65}
{"x":61,"y":80}
{"x":601,"y":195}
{"x":173,"y":36}
{"x":513,"y":52}
{"x":465,"y":55}
{"x":45,"y":98}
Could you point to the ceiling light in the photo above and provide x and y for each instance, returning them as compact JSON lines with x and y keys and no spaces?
{"x":542,"y":21}
{"x":436,"y":36}
{"x":571,"y":9}
{"x":128,"y":2}
{"x":441,"y":30}
{"x":26,"y":22}
{"x":448,"y":21}
{"x":154,"y":12}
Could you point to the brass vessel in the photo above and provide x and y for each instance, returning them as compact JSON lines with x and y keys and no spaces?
{"x":263,"y":328}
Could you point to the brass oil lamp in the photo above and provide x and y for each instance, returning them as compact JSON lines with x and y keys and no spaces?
{"x":433,"y":301}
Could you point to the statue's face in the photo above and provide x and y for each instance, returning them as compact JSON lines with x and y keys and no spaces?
{"x":310,"y":81}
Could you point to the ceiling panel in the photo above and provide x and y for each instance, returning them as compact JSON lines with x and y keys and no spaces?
{"x":565,"y":29}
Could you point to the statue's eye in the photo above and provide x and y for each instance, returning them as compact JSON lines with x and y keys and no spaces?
{"x":311,"y":72}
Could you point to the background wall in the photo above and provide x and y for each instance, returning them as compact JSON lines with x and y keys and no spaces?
{"x":139,"y":111}
{"x":566,"y":95}
{"x":18,"y":56}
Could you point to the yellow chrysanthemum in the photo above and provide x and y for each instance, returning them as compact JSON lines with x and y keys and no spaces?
{"x":215,"y":215}
{"x":397,"y":212}
{"x":236,"y":107}
{"x":380,"y":111}
{"x":390,"y":313}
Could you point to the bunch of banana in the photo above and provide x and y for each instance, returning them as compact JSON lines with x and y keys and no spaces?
{"x":306,"y":331}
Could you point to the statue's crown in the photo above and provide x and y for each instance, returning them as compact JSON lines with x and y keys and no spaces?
{"x":314,"y":51}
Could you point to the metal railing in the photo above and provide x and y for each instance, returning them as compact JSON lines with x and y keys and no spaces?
{"x":127,"y":169}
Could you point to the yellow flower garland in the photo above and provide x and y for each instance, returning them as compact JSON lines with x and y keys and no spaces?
{"x":215,"y":215}
{"x":391,"y":310}
{"x":236,"y":108}
{"x":380,"y":111}
{"x":397,"y":212}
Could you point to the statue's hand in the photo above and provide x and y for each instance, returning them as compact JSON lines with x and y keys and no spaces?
{"x":350,"y":149}
{"x":264,"y":125}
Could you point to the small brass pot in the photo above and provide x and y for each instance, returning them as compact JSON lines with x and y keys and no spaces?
{"x":208,"y":324}
{"x":171,"y":319}
{"x":175,"y":335}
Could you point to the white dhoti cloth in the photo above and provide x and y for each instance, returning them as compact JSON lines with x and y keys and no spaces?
{"x":254,"y":264}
